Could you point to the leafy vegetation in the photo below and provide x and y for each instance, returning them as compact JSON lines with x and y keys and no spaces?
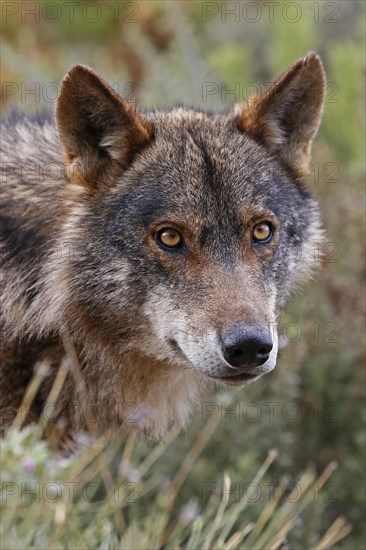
{"x":106,"y":498}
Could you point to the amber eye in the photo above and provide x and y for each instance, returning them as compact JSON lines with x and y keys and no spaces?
{"x":262,"y":232}
{"x":169,"y":237}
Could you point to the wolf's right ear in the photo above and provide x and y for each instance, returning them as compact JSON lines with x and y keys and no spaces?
{"x":100,"y":132}
{"x":286,"y":117}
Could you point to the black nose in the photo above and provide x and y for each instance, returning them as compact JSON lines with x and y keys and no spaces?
{"x":246,"y":345}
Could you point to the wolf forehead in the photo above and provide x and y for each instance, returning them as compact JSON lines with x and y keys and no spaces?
{"x":203,"y":163}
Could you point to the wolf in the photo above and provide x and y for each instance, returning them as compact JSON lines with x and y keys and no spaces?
{"x":164,"y":244}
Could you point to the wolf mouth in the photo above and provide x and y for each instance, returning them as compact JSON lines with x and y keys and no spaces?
{"x":235,"y":379}
{"x":231,"y":380}
{"x":177,"y":350}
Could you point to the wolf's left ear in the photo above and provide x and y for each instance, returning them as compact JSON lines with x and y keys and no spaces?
{"x":100,"y":132}
{"x":286,"y":117}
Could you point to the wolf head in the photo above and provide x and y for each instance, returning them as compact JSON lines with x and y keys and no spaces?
{"x":191,"y":228}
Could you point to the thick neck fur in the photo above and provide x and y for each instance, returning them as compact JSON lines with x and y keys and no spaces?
{"x":134,"y":393}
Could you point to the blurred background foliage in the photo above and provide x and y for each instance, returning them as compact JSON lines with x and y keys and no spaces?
{"x":211,"y":54}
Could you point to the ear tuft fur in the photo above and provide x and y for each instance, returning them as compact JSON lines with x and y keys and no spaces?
{"x":286,"y":117}
{"x":100,"y":131}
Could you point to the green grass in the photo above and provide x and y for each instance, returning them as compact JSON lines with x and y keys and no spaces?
{"x":114,"y":495}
